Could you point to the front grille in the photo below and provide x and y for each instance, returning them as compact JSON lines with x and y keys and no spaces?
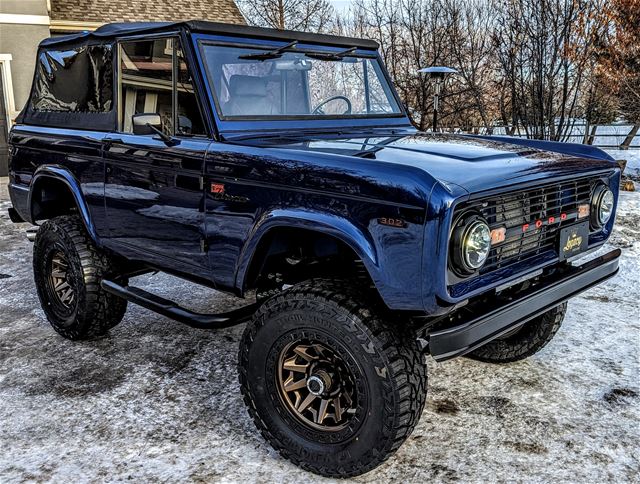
{"x":514,"y":210}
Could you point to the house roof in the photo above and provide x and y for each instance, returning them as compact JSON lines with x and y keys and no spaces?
{"x":107,"y":11}
{"x":122,"y":29}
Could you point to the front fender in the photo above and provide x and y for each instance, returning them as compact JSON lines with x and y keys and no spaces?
{"x":361,"y":242}
{"x":392,"y":257}
{"x":59,"y":173}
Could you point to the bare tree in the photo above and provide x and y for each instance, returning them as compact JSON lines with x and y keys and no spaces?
{"x":411,"y":34}
{"x":305,"y":15}
{"x":471,"y":52}
{"x":534,"y":67}
{"x":544,"y":59}
{"x":599,"y":102}
{"x":619,"y":58}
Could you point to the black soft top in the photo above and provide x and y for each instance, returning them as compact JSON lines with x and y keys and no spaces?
{"x":111,"y":31}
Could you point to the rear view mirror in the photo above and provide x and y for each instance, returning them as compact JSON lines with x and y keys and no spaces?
{"x":293,"y":65}
{"x":141,"y":122}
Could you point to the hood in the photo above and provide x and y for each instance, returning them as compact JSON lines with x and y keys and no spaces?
{"x":474,"y":163}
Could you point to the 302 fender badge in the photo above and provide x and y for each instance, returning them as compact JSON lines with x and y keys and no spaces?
{"x":392,"y":222}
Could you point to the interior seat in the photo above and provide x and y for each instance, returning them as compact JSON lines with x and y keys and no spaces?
{"x":248,"y":96}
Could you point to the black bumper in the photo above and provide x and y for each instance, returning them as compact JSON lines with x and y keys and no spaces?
{"x":555,"y":289}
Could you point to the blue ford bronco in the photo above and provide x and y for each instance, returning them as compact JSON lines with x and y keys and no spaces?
{"x":281,"y":167}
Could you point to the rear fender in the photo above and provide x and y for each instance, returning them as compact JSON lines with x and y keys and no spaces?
{"x":59,"y":173}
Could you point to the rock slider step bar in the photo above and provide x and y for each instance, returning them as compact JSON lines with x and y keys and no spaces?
{"x":172,"y":310}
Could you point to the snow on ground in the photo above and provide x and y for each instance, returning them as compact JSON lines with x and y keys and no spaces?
{"x":158,"y":401}
{"x":632,"y":157}
{"x":608,"y":135}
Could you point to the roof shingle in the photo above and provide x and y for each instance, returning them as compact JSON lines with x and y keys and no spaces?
{"x":106,"y":11}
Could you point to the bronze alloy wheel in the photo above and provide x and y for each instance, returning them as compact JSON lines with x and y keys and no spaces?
{"x":316,"y":386}
{"x":330,"y":383}
{"x":59,"y":280}
{"x":68,"y":269}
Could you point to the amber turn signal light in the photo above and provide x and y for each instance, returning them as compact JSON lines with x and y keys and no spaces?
{"x":583,"y":210}
{"x":498,"y":235}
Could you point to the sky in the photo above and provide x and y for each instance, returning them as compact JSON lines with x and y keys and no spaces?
{"x":341,"y":5}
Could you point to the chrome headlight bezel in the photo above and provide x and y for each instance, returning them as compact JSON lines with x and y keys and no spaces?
{"x":470,"y":244}
{"x":602,"y":203}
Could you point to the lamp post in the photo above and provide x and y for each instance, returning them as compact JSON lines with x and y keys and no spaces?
{"x":437,"y":74}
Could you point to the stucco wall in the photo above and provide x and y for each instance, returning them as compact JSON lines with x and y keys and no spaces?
{"x":24,"y":7}
{"x":21,"y":41}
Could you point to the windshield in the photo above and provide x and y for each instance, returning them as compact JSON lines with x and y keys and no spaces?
{"x":258,"y":83}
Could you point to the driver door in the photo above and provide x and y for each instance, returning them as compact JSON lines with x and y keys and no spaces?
{"x":153,"y":191}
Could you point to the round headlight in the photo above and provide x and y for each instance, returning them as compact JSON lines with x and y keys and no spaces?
{"x":471,"y":244}
{"x":601,"y":206}
{"x":476,"y":244}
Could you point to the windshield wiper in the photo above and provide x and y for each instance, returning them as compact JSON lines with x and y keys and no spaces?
{"x":329,"y":56}
{"x":272,"y":54}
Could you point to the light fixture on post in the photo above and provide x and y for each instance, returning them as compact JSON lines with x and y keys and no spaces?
{"x":437,"y":74}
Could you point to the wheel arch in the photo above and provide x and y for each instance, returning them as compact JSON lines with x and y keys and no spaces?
{"x":328,"y":226}
{"x":64,"y":188}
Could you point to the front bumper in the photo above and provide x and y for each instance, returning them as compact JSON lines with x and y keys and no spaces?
{"x":502,"y":317}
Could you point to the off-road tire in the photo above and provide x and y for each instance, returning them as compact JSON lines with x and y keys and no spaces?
{"x":526,"y":341}
{"x":391,"y":374}
{"x":93,"y":311}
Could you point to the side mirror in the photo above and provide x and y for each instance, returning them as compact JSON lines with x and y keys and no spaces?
{"x":141,"y":122}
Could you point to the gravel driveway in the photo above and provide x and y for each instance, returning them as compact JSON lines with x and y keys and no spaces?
{"x":158,"y":401}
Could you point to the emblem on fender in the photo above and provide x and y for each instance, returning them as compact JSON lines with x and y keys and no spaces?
{"x":392,"y":222}
{"x":217,"y":188}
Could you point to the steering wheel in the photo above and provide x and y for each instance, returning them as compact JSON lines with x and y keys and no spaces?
{"x":318,"y":109}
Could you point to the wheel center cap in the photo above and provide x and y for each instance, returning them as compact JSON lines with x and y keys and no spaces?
{"x":315,"y":385}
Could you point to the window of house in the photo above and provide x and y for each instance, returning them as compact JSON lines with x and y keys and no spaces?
{"x":155,"y":79}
